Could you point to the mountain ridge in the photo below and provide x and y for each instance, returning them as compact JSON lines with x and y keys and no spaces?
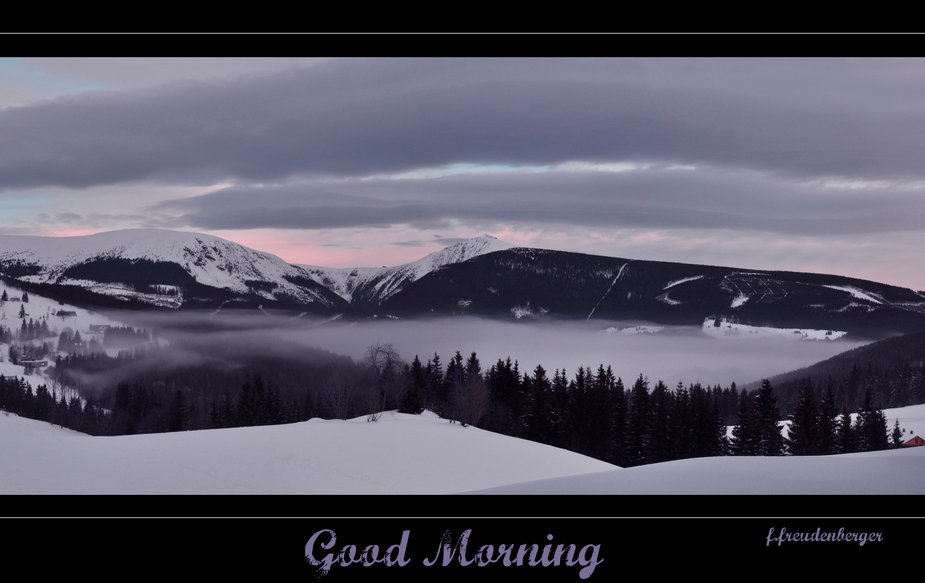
{"x":373,"y":285}
{"x":481,"y":276}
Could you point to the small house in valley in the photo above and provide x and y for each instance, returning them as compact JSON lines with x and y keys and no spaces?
{"x":917,"y":440}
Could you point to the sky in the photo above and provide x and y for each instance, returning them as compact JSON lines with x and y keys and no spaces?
{"x":790,"y":164}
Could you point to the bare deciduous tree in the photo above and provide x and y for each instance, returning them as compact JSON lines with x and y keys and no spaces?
{"x":385,"y":388}
{"x":471,"y":400}
{"x":339,"y":393}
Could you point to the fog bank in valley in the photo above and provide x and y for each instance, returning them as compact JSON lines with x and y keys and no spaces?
{"x":672,"y":354}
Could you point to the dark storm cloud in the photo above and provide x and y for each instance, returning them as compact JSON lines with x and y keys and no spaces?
{"x":361,"y":117}
{"x":646,"y":198}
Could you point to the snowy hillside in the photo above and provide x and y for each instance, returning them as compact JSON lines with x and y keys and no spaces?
{"x":43,"y":311}
{"x":407,"y":454}
{"x":399,"y":454}
{"x":208,"y":260}
{"x":539,"y":284}
{"x":723,"y":329}
{"x":882,"y":472}
{"x":376,"y":284}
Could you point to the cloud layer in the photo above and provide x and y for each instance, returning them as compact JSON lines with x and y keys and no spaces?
{"x":823,"y":150}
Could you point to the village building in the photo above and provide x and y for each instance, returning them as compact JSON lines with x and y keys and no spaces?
{"x":917,"y":440}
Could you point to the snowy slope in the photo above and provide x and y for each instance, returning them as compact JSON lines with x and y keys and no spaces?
{"x":210,"y":260}
{"x":376,"y":284}
{"x":399,"y":454}
{"x":408,"y":454}
{"x":883,"y":472}
{"x":899,"y":471}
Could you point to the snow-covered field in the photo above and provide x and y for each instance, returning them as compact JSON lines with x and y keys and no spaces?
{"x":407,"y":454}
{"x":727,"y":329}
{"x":633,"y":330}
{"x":884,"y":472}
{"x":398,"y":454}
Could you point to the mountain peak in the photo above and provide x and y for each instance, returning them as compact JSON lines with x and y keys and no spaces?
{"x":462,"y":251}
{"x":375,"y":285}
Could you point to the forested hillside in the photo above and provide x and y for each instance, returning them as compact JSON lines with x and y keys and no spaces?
{"x":188,"y":387}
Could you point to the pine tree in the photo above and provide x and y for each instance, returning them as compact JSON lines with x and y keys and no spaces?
{"x":578,"y":405}
{"x":179,"y":412}
{"x":412,"y":400}
{"x":252,"y":406}
{"x":451,"y":386}
{"x":618,"y":424}
{"x":803,"y":436}
{"x":598,"y":419}
{"x":90,"y":419}
{"x":538,"y":410}
{"x":770,"y":441}
{"x":708,"y":436}
{"x":679,"y":424}
{"x":44,"y":404}
{"x":274,"y":405}
{"x":227,"y":414}
{"x":560,"y":399}
{"x":846,"y":434}
{"x":503,"y":387}
{"x":637,"y":426}
{"x":896,"y":437}
{"x":871,"y":426}
{"x":745,"y":432}
{"x":659,"y":446}
{"x":827,"y":424}
{"x":435,"y":391}
{"x":473,"y":397}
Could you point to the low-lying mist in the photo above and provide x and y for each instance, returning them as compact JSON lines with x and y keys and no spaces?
{"x":673,"y":354}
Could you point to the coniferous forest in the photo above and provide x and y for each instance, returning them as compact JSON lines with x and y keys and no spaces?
{"x":592,"y":412}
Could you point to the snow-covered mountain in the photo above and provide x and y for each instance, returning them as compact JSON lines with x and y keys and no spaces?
{"x":481,"y":276}
{"x":370,"y":286}
{"x":158,"y":267}
{"x":530,"y":283}
{"x":174,"y":269}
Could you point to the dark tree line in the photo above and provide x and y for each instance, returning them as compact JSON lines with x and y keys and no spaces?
{"x":592,"y":412}
{"x":17,"y":396}
{"x":148,"y":392}
{"x":125,"y":337}
{"x":891,"y":370}
{"x":821,"y":429}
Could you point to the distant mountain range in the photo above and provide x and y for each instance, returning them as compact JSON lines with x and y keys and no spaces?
{"x":481,"y":276}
